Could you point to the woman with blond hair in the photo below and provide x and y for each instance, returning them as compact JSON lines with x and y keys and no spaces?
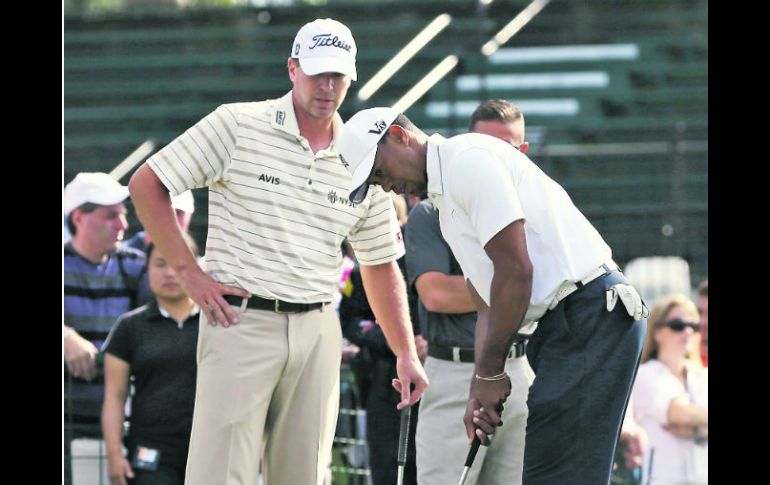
{"x":670,"y":396}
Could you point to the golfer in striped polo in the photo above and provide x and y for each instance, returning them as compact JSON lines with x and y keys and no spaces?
{"x":270,"y":343}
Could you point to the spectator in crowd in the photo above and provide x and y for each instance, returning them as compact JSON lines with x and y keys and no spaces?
{"x":670,"y":397}
{"x":448,"y":320}
{"x":153,"y":346}
{"x":375,"y":367}
{"x":530,"y":256}
{"x":501,"y":119}
{"x":703,"y":311}
{"x":276,"y":222}
{"x":101,"y":281}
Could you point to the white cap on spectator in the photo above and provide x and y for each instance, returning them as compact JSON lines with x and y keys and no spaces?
{"x":358,"y":146}
{"x":325,"y":45}
{"x":184,"y":202}
{"x":94,"y":187}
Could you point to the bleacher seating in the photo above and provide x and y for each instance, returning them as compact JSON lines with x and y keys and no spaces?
{"x":629,"y":146}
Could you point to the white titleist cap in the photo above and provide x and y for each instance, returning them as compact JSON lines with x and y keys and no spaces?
{"x":325,"y":45}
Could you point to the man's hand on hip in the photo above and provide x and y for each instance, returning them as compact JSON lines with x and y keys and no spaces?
{"x":209,"y":295}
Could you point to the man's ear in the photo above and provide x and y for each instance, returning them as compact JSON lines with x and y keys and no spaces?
{"x":291,"y":66}
{"x":75,"y":216}
{"x":399,"y":134}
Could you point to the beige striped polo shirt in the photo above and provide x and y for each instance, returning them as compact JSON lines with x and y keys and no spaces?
{"x":277,"y":212}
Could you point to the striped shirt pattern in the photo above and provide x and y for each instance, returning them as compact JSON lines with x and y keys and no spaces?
{"x":95,"y":295}
{"x":277,"y":212}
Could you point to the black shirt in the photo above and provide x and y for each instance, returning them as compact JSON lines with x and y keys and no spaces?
{"x":162,"y":356}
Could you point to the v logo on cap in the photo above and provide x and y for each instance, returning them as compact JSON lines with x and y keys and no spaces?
{"x":378,"y":127}
{"x":358,"y":145}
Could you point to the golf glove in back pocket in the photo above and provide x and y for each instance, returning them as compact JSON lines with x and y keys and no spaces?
{"x":631,"y":300}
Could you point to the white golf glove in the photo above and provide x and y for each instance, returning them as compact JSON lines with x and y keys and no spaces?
{"x":631,"y":300}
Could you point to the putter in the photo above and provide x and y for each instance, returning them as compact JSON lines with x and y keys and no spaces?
{"x":403,"y":441}
{"x":469,"y":459}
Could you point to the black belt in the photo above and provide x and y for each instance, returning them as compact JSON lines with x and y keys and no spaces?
{"x":277,"y":306}
{"x":458,"y":354}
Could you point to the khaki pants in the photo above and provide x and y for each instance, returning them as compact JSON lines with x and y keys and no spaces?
{"x":273,"y":378}
{"x":441,"y":439}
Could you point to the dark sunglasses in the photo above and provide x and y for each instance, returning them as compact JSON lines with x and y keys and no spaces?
{"x":678,"y":325}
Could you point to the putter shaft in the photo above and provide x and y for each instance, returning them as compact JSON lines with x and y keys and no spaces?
{"x":403,"y":441}
{"x":469,"y":459}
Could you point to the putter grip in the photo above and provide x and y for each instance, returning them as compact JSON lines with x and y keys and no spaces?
{"x":403,"y":435}
{"x":472,"y":452}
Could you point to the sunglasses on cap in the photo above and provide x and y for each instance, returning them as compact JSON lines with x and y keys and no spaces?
{"x":677,"y":325}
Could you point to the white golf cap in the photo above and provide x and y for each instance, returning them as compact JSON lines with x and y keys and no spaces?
{"x":358,"y":146}
{"x":94,"y":187}
{"x":325,"y":45}
{"x":184,"y":202}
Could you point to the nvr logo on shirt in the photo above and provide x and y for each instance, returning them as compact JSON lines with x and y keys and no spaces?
{"x":334,"y":198}
{"x":270,"y":179}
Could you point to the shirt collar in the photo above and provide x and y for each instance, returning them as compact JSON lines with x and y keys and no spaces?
{"x":433,"y":165}
{"x":195,"y":310}
{"x":282,"y":115}
{"x":283,"y":118}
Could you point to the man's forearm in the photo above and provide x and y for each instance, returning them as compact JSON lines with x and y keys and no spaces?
{"x":509,"y":300}
{"x":153,"y":207}
{"x":386,"y":292}
{"x":444,"y":293}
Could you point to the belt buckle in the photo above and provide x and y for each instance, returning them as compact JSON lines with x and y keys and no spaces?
{"x":456,"y":354}
{"x":277,"y":308}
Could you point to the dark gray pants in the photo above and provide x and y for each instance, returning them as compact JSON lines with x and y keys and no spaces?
{"x":585,"y":360}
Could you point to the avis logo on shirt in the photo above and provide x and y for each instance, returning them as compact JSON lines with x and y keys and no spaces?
{"x":271,"y":179}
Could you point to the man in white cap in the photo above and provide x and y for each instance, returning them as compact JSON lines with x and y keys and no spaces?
{"x":96,"y":273}
{"x":101,"y":282}
{"x":448,"y":321}
{"x":527,"y":254}
{"x":270,"y":343}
